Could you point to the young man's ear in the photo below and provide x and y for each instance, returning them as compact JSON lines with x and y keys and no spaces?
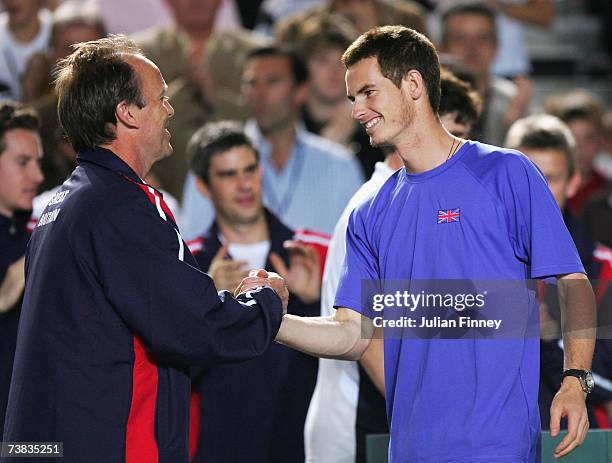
{"x":128,"y":114}
{"x":201,"y":186}
{"x":413,"y":84}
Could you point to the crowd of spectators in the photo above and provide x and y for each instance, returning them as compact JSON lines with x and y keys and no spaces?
{"x":273,"y":67}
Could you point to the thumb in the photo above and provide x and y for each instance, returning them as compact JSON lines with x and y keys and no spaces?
{"x":222,"y":252}
{"x":555,"y":422}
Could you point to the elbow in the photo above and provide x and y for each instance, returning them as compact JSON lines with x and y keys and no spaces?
{"x":357,"y":350}
{"x":358,"y":344}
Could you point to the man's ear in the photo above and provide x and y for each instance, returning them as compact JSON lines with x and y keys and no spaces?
{"x":127,"y":114}
{"x":413,"y":84}
{"x":202,"y":188}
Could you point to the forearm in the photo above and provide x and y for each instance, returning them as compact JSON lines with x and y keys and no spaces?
{"x":537,"y":12}
{"x":336,"y":337}
{"x":578,"y":320}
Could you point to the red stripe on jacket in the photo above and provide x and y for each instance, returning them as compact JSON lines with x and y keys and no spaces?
{"x":140,"y":443}
{"x":152,"y":195}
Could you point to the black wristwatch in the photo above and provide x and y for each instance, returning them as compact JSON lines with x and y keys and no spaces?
{"x":585,"y":377}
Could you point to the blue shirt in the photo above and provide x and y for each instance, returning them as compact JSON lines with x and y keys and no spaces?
{"x":310,"y":192}
{"x":463,"y":399}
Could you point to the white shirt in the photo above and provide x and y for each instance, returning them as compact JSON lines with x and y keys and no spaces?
{"x":329,"y":432}
{"x":254,"y":254}
{"x":14,"y":55}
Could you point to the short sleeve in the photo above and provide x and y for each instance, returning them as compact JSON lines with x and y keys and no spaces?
{"x":539,"y":235}
{"x":360,"y":269}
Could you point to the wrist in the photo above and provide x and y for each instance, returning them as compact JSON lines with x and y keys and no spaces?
{"x":576,"y":378}
{"x":571,"y":382}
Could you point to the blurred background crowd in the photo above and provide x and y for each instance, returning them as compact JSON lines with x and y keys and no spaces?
{"x":274,"y":65}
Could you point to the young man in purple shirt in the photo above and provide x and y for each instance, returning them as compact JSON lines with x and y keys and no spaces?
{"x":462,"y":211}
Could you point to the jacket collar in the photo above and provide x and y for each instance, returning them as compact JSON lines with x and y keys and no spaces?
{"x":106,"y":158}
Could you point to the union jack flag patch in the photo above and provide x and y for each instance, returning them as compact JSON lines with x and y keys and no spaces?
{"x":449,"y":215}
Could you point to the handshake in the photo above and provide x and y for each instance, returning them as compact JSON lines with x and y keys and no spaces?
{"x":258,"y":278}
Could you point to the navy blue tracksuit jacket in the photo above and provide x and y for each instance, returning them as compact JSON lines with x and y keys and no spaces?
{"x":115,"y":312}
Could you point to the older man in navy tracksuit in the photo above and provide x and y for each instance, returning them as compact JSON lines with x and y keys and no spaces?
{"x":115,"y":308}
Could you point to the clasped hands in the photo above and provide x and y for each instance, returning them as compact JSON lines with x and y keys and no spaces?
{"x":261,"y":277}
{"x":302,"y":276}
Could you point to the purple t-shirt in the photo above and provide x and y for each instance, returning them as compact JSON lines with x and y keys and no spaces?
{"x":486,"y":214}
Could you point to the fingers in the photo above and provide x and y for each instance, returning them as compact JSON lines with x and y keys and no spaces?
{"x":302,"y":254}
{"x":297,"y":248}
{"x":278,"y":264}
{"x":577,"y":428}
{"x":250,"y":283}
{"x":222,"y":252}
{"x":555,"y":420}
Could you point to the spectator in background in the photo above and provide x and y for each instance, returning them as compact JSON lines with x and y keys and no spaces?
{"x":469,"y":35}
{"x":512,"y":59}
{"x":597,"y":212}
{"x":179,"y":49}
{"x":201,"y":61}
{"x":262,"y":401}
{"x":583,"y":115}
{"x":20,"y":175}
{"x":123,"y":17}
{"x":460,"y":105}
{"x":348,"y":401}
{"x":327,"y":112}
{"x":24,"y":30}
{"x":72,"y":22}
{"x":363,"y":14}
{"x":307,"y":179}
{"x":549,"y":143}
{"x":603,"y":161}
{"x":597,"y":217}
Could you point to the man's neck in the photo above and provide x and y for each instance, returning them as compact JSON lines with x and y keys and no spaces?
{"x":425,"y":145}
{"x":25,"y":33}
{"x":128,"y":153}
{"x":244,"y":233}
{"x":393,"y":160}
{"x":322,"y":110}
{"x":197,"y":37}
{"x":482,"y":85}
{"x":6,"y":212}
{"x":281,"y":142}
